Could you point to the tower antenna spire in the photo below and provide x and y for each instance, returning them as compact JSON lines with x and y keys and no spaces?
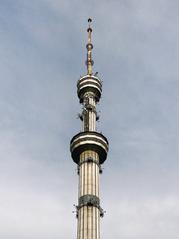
{"x":89,"y":47}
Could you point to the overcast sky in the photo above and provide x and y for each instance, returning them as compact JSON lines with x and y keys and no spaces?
{"x":42,"y":55}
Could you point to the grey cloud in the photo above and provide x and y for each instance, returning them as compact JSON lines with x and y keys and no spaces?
{"x":42,"y":55}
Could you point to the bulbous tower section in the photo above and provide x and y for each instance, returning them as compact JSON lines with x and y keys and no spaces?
{"x":89,"y":150}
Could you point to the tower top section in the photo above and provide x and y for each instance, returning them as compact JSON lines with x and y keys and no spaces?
{"x":89,"y":47}
{"x":89,"y":83}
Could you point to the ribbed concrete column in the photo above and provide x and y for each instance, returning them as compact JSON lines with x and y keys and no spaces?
{"x":88,"y":216}
{"x":89,"y":114}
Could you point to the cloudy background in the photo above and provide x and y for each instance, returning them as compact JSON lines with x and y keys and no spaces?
{"x":42,"y":54}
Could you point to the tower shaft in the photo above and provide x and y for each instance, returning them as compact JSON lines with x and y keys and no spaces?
{"x":89,"y":150}
{"x":88,"y":216}
{"x":89,"y":112}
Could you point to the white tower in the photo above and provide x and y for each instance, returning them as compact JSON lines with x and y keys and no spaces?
{"x":89,"y":150}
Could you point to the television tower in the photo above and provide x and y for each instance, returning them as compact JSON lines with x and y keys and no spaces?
{"x":89,"y":150}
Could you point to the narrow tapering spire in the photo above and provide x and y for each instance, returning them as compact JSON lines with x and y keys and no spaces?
{"x":89,"y":47}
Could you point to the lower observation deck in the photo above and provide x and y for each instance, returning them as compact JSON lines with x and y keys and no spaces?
{"x":89,"y":140}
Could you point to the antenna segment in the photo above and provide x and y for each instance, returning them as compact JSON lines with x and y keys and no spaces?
{"x":89,"y":47}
